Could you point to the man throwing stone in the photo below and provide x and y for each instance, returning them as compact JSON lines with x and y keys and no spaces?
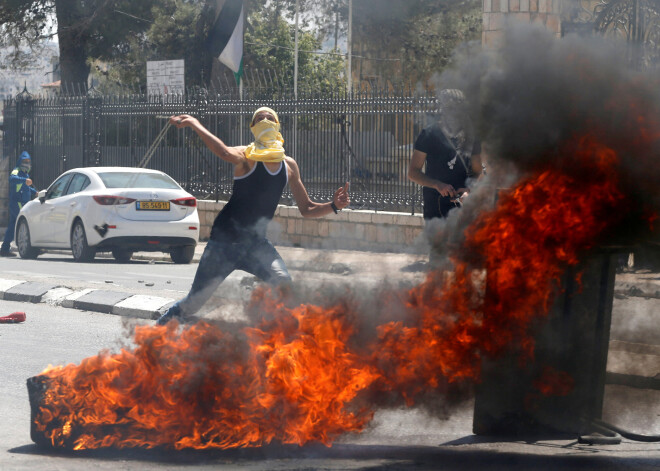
{"x":238,"y":237}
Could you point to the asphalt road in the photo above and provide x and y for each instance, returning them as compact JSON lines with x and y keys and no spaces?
{"x":169,"y":279}
{"x":154,"y":277}
{"x":401,"y":439}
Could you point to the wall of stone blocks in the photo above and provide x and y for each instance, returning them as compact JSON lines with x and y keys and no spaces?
{"x":349,"y":229}
{"x":496,"y":13}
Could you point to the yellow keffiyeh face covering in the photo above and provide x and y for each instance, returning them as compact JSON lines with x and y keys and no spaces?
{"x":268,"y":145}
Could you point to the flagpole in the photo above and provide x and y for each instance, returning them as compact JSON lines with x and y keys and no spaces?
{"x":350,"y":46}
{"x":295,"y":54}
{"x":295,"y":84}
{"x":349,"y":81}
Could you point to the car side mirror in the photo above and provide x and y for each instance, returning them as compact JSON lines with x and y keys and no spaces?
{"x":42,"y":196}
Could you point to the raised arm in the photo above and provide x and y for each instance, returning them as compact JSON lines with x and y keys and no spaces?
{"x":308,"y":208}
{"x":234,"y":155}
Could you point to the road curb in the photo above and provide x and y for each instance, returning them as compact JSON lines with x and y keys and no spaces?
{"x":6,"y":285}
{"x":100,"y":300}
{"x":142,"y":306}
{"x":95,"y":300}
{"x":29,"y":291}
{"x":640,"y":289}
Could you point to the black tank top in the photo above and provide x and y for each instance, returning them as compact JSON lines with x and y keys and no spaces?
{"x":253,"y":202}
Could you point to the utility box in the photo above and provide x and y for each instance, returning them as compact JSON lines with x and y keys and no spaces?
{"x":562,"y":388}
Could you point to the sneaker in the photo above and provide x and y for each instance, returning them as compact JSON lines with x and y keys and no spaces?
{"x":7,"y":254}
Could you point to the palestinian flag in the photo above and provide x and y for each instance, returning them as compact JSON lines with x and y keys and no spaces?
{"x":226,"y":36}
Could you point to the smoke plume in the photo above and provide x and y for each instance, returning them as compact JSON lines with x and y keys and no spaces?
{"x":537,"y":94}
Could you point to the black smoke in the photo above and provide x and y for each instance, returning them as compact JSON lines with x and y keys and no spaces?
{"x":537,"y":93}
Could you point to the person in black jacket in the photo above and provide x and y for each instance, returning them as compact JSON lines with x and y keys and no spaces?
{"x":238,"y":236}
{"x":451,"y":153}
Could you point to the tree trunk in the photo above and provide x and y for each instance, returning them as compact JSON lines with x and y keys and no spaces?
{"x":73,"y":50}
{"x":199,"y":68}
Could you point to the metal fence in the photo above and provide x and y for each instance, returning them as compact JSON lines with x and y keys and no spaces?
{"x":365,"y":138}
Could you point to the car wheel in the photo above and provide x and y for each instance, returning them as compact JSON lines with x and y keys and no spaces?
{"x":183,"y":254}
{"x":81,"y":251}
{"x":122,"y":255}
{"x":25,"y":249}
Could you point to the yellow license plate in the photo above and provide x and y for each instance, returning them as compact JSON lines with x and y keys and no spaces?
{"x":153,"y":205}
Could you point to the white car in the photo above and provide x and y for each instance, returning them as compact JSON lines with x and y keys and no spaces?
{"x":110,"y":209}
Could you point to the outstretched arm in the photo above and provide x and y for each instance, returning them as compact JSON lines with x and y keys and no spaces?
{"x":233,"y":155}
{"x":306,"y":206}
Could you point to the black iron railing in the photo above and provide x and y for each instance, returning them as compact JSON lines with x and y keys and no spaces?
{"x":365,"y":137}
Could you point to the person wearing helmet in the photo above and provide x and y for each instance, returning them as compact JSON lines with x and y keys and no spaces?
{"x":238,"y":236}
{"x":20,"y":192}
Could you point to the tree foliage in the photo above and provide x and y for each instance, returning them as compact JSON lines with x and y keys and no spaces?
{"x":270,"y":42}
{"x":24,"y":26}
{"x":177,"y":31}
{"x":396,"y":39}
{"x":393,"y":39}
{"x":419,"y":35}
{"x":85,"y":28}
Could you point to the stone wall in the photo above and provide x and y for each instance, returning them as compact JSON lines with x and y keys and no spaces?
{"x":349,"y":229}
{"x":496,"y":13}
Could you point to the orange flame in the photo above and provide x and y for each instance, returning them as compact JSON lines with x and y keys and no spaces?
{"x":537,"y":228}
{"x":293,"y":386}
{"x":298,"y":375}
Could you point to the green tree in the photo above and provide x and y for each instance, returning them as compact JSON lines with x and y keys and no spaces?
{"x":177,"y":31}
{"x":410,"y":39}
{"x":419,"y":34}
{"x":270,"y":43}
{"x":24,"y":25}
{"x":404,"y":39}
{"x":85,"y":28}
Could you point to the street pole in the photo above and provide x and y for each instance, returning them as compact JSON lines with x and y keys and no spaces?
{"x":350,"y":80}
{"x":295,"y":83}
{"x":350,"y":46}
{"x":295,"y":54}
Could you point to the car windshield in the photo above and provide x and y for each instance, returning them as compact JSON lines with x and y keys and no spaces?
{"x":137,"y":180}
